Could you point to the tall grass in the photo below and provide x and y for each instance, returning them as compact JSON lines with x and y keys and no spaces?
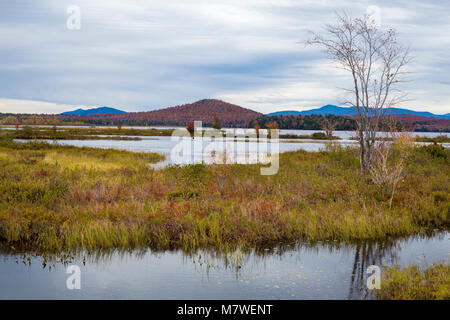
{"x":414,"y":283}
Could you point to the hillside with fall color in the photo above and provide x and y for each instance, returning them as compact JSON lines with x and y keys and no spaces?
{"x":422,"y":124}
{"x":229,"y":115}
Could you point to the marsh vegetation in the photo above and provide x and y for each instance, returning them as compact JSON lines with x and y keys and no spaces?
{"x":119,"y":133}
{"x":415,"y":283}
{"x":60,"y":197}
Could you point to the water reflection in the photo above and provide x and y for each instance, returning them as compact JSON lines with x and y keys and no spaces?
{"x":322,"y":270}
{"x":367,"y":254}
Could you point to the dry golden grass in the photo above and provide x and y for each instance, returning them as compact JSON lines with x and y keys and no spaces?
{"x":74,"y":161}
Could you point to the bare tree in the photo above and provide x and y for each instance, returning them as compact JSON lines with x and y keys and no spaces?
{"x":376,"y":63}
{"x":328,"y":127}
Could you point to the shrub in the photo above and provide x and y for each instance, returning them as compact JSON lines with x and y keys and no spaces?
{"x":386,"y":168}
{"x":435,"y":150}
{"x":319,"y":135}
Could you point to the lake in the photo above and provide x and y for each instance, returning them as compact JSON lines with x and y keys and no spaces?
{"x":324,"y":270}
{"x":243,"y":151}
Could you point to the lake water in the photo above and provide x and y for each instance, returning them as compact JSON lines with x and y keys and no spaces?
{"x":341,"y":134}
{"x":326,"y":270}
{"x":236,"y":150}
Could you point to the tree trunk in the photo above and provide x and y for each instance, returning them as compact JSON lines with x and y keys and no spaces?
{"x":362,"y":155}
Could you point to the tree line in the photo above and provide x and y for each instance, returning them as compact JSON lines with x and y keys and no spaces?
{"x":306,"y":122}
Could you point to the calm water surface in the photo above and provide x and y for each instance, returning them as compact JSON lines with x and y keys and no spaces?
{"x":324,"y":270}
{"x":241,"y":151}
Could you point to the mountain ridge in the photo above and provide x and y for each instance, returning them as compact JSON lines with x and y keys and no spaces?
{"x":205,"y":110}
{"x":342,"y":111}
{"x":92,"y":111}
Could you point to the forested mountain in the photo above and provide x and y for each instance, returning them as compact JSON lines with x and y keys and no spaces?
{"x":351,"y":111}
{"x":423,"y":124}
{"x":229,"y":115}
{"x":318,"y":122}
{"x":306,"y":122}
{"x":93,"y":111}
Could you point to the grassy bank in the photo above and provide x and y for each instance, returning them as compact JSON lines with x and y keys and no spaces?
{"x":314,"y":136}
{"x":414,"y":283}
{"x":87,"y":133}
{"x":438,"y":139}
{"x":61,"y":133}
{"x":60,"y":197}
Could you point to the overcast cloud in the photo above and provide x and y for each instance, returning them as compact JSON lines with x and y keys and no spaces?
{"x":141,"y":55}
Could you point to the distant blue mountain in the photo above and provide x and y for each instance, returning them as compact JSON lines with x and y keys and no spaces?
{"x":341,"y":111}
{"x":328,"y":109}
{"x":92,"y":112}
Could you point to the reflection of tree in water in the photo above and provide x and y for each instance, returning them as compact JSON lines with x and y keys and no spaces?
{"x":79,"y":256}
{"x":367,"y":254}
{"x":375,"y":253}
{"x":252,"y":261}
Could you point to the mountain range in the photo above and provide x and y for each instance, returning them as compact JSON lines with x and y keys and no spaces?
{"x":350,"y":111}
{"x":92,"y":112}
{"x":231,"y":115}
{"x":205,"y":110}
{"x":189,"y":109}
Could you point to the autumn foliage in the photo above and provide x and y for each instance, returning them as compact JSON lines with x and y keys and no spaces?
{"x":209,"y":111}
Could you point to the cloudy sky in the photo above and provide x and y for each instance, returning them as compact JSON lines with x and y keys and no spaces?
{"x":140,"y":55}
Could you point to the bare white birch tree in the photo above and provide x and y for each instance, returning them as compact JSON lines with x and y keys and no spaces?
{"x":376,"y":62}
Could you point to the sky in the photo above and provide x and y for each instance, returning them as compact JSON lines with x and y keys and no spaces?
{"x":141,"y":55}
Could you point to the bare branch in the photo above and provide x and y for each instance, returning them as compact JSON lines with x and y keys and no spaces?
{"x":376,"y":62}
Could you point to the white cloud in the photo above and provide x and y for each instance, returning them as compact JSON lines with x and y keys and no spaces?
{"x":146,"y":54}
{"x":293,"y":96}
{"x":29,"y":106}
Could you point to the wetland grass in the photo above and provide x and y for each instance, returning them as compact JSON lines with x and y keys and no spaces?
{"x":414,"y":283}
{"x":55,"y":198}
{"x":88,"y":133}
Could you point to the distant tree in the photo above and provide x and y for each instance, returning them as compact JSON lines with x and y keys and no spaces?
{"x":216,"y":124}
{"x":11,"y":120}
{"x":376,"y":61}
{"x":272,"y":125}
{"x":191,"y":128}
{"x":257,"y":127}
{"x":53,"y":120}
{"x":328,"y":127}
{"x":306,"y":122}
